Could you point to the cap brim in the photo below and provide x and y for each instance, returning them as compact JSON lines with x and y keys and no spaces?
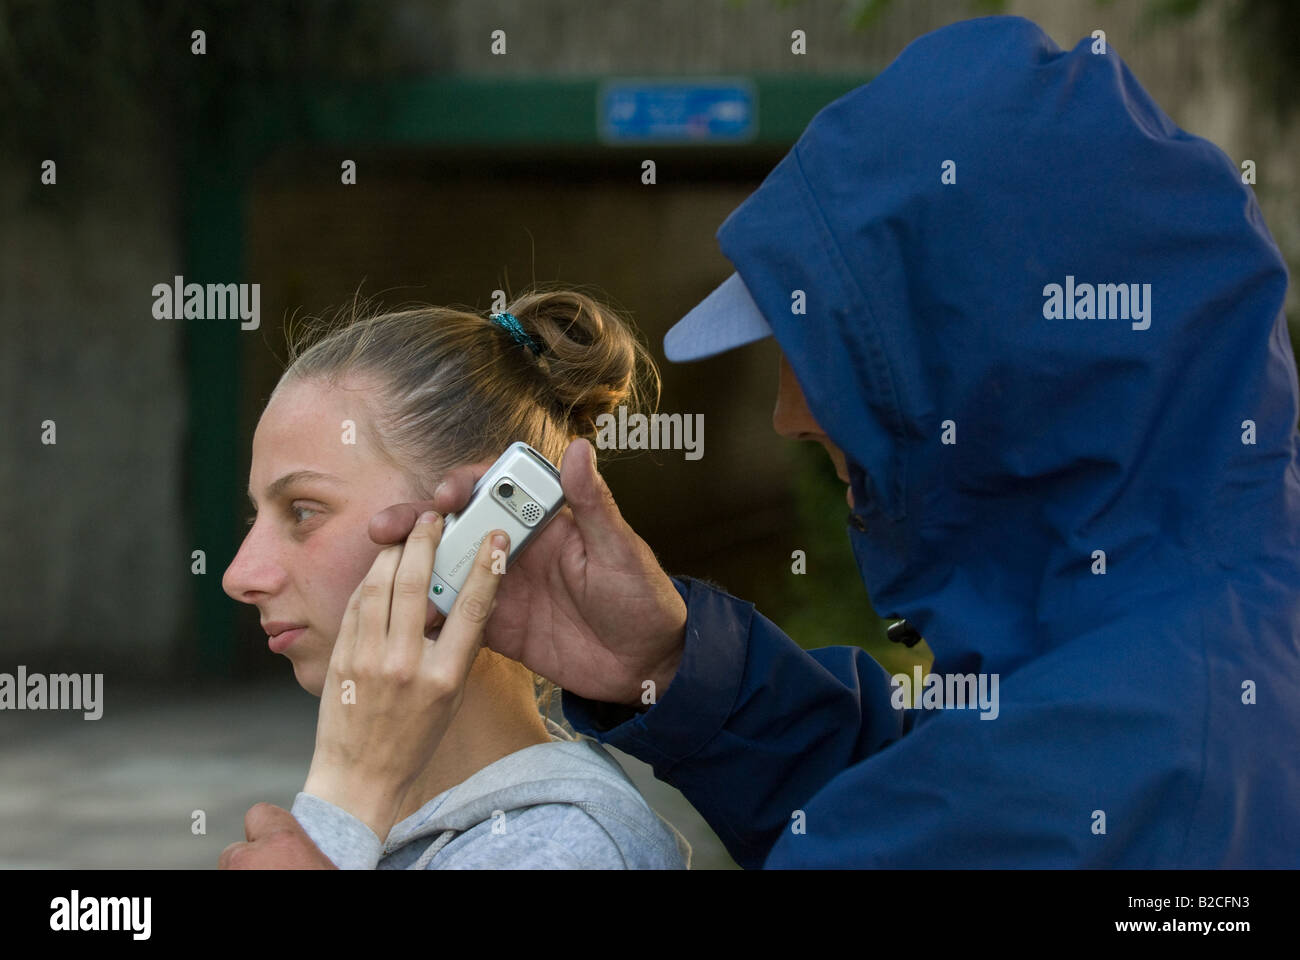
{"x":725,"y":319}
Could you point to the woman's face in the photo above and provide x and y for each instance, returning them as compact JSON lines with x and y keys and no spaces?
{"x":310,"y":546}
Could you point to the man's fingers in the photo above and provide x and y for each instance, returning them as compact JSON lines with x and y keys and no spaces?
{"x":227,"y":859}
{"x":457,"y":485}
{"x":462,"y":635}
{"x":594,"y":510}
{"x":394,"y":524}
{"x":275,"y":841}
{"x":264,"y":818}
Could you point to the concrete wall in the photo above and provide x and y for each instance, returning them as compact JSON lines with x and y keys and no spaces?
{"x":1187,"y":65}
{"x":95,"y":558}
{"x":94,"y":553}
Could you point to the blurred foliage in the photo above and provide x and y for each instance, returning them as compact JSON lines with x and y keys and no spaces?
{"x":1265,"y":34}
{"x":829,"y":603}
{"x":863,"y":13}
{"x":75,"y":74}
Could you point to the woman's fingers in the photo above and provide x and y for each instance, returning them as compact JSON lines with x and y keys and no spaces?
{"x":461,"y":638}
{"x":347,"y":638}
{"x":377,"y":596}
{"x":411,"y":587}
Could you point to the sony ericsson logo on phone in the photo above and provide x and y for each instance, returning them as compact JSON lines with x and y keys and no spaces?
{"x":467,"y":556}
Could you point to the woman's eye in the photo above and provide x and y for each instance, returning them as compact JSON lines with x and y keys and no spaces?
{"x":252,"y":518}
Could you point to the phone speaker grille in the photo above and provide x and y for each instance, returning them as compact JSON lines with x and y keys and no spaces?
{"x":531,"y":513}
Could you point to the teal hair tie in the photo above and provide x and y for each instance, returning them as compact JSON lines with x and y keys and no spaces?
{"x":510,"y":323}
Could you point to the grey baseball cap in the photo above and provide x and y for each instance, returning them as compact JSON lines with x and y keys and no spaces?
{"x":725,"y":319}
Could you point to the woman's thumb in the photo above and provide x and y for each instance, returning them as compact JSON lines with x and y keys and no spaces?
{"x":594,"y":510}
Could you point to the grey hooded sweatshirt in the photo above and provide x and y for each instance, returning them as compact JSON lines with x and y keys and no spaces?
{"x":561,"y":805}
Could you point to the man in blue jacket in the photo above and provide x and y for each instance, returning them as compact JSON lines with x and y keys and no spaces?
{"x":1039,"y":329}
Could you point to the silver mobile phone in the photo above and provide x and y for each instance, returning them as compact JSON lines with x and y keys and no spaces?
{"x":520,"y":494}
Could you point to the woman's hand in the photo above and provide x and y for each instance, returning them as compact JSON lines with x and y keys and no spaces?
{"x":391,"y":692}
{"x":586,"y":605}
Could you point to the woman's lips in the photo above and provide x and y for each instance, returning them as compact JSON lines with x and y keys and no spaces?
{"x":282,"y":641}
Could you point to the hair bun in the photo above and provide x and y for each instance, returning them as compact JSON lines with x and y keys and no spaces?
{"x":593,"y":360}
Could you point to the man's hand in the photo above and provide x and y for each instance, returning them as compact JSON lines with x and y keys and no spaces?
{"x":275,"y":841}
{"x":586,"y":605}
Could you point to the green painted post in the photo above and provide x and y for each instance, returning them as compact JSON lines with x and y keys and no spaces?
{"x":212,"y":203}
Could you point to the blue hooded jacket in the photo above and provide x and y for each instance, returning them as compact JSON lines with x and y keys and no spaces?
{"x":1097,"y":501}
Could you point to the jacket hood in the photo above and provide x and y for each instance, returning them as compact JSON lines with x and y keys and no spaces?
{"x":998,"y":434}
{"x":566,"y":770}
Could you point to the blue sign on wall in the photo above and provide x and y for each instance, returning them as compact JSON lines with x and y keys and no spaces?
{"x":677,"y":111}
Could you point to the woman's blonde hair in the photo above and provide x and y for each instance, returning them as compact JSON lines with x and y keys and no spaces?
{"x":446,"y":386}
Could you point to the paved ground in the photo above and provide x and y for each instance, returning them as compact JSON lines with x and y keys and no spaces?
{"x":121,"y":791}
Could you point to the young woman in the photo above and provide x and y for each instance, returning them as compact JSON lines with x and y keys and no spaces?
{"x":372,"y":412}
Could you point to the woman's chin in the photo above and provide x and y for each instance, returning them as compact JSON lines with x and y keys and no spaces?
{"x":310,"y":677}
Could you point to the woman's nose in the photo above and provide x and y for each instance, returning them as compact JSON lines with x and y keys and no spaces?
{"x":251,"y":572}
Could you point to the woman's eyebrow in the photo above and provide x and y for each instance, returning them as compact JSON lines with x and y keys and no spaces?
{"x":278,"y":486}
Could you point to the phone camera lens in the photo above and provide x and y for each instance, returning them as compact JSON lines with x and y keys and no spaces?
{"x":506,"y":490}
